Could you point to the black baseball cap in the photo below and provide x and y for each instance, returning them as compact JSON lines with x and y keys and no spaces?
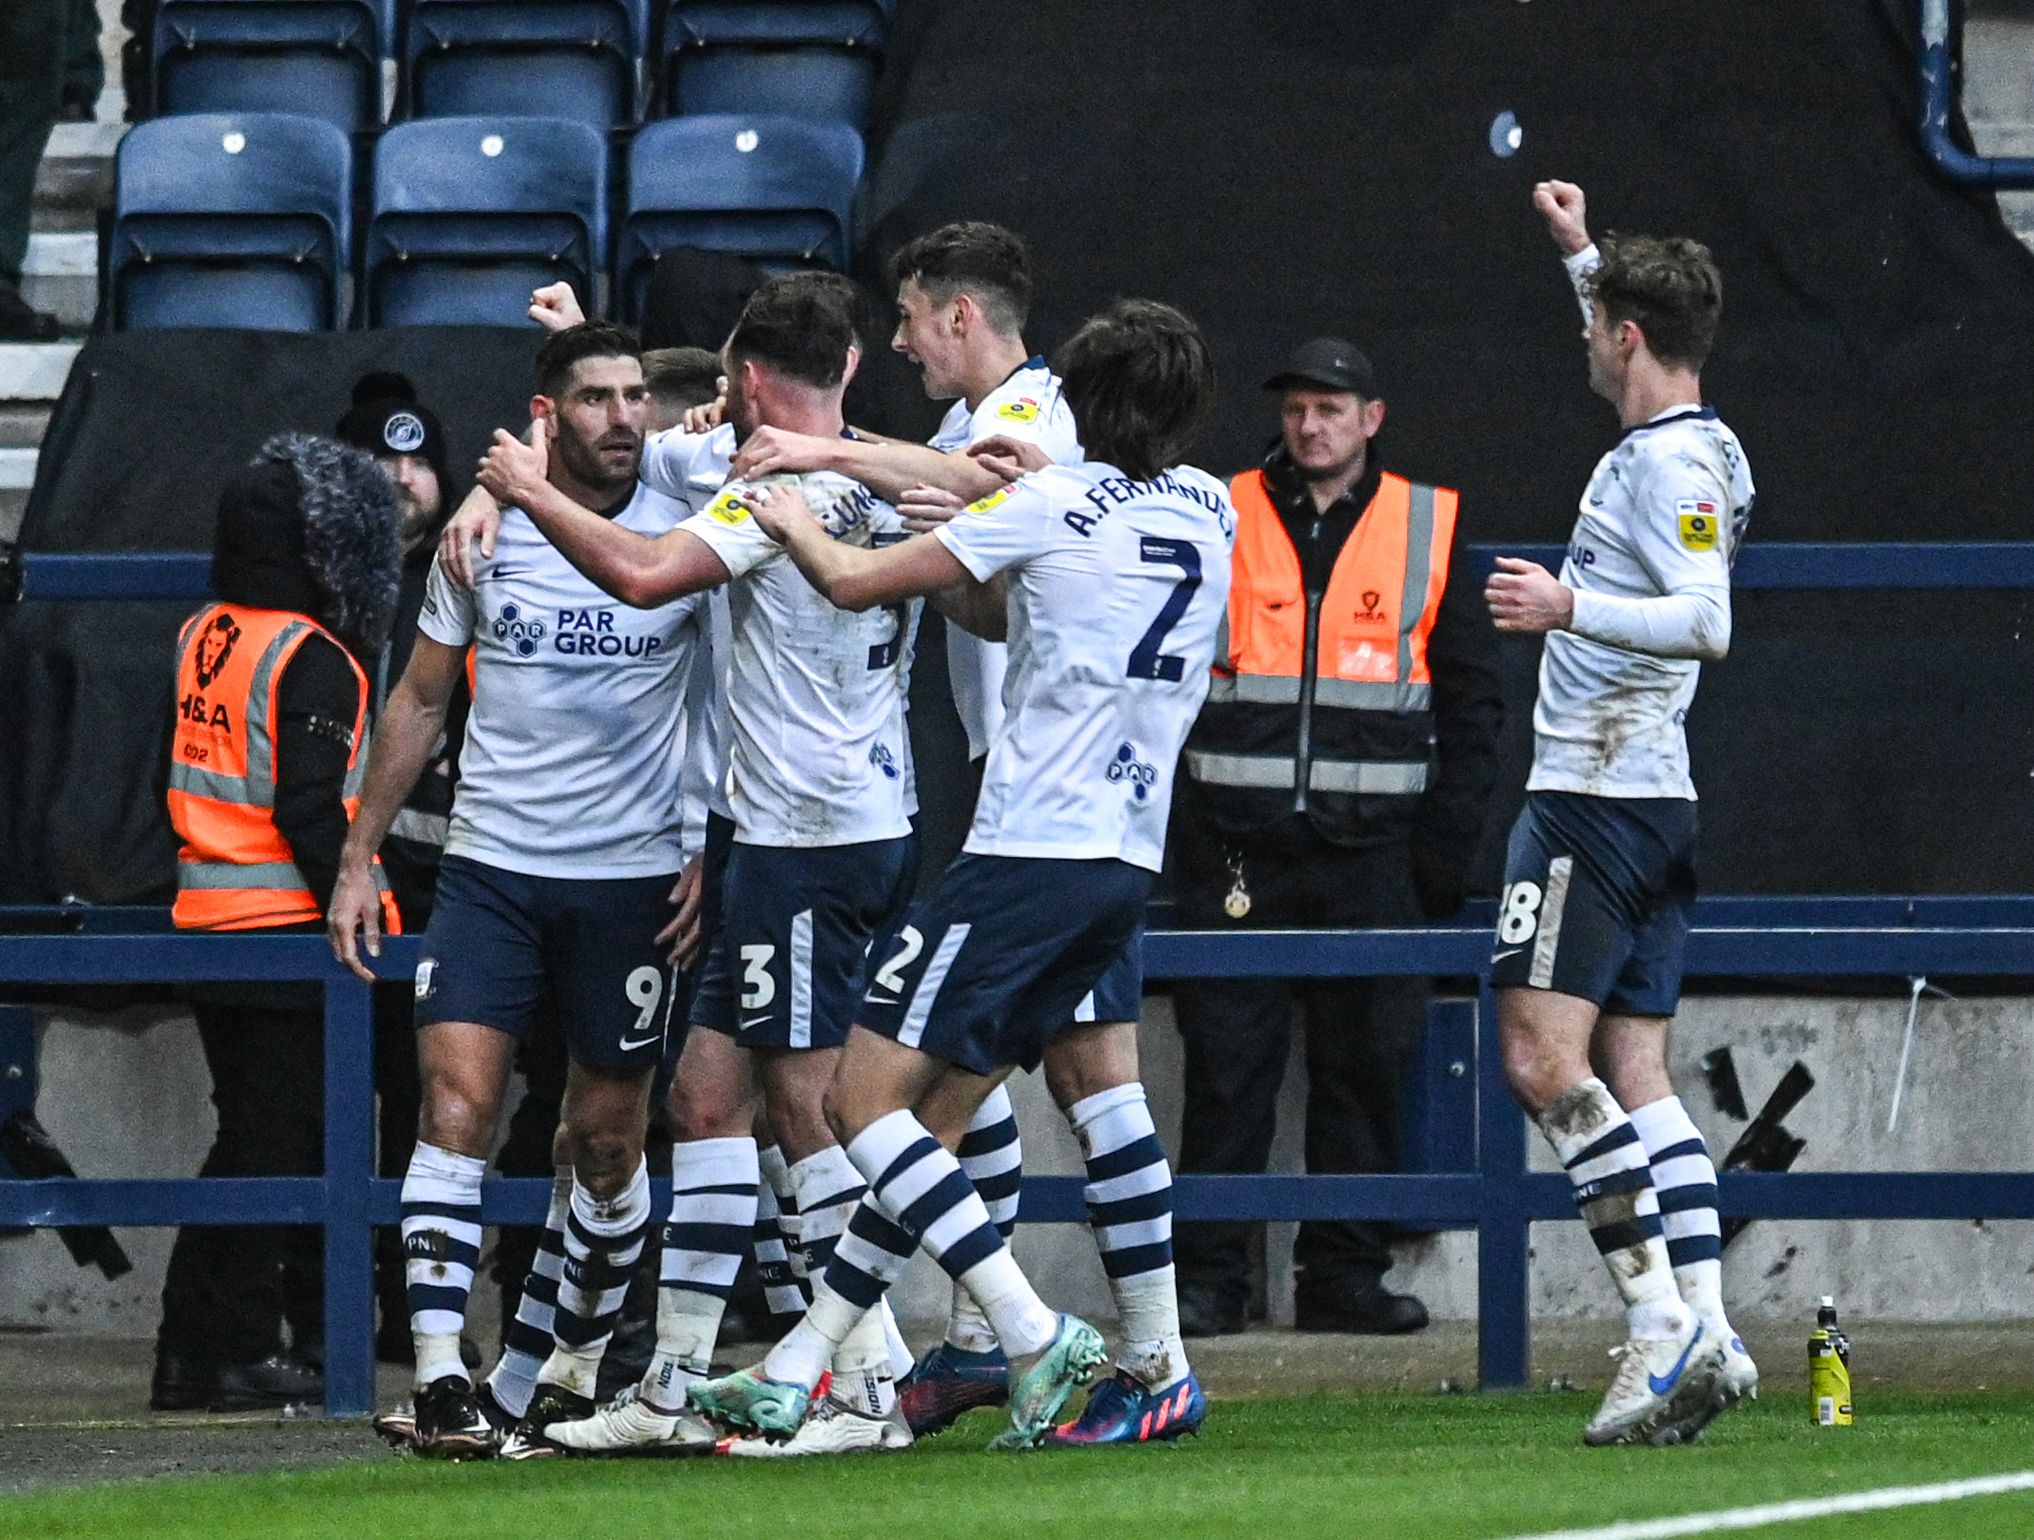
{"x":1330,"y":363}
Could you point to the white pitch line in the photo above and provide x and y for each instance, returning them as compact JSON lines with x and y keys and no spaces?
{"x":1802,"y":1508}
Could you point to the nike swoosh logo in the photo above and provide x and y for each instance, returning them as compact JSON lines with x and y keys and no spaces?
{"x":1662,"y":1386}
{"x":754,"y":1022}
{"x":626,"y":1046}
{"x":1508,"y":952}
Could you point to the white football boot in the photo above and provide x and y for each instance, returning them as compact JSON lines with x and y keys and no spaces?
{"x":628,"y":1426}
{"x":1660,"y":1387}
{"x":830,"y":1428}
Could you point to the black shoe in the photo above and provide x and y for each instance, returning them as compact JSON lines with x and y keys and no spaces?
{"x":22,"y":322}
{"x":77,"y":109}
{"x":181,"y":1383}
{"x":456,"y":1422}
{"x":1209,"y":1310}
{"x":1356,"y":1305}
{"x":551,"y":1403}
{"x":275,"y":1381}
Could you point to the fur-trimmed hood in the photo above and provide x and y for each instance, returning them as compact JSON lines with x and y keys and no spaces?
{"x":312,"y":526}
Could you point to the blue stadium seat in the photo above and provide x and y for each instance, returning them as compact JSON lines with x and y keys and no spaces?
{"x":807,"y":58}
{"x":776,"y":188}
{"x":231,"y":219}
{"x":523,"y":58}
{"x":471,"y":214}
{"x":317,"y":58}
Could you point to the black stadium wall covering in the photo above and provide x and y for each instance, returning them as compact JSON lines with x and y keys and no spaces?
{"x":1279,"y":168}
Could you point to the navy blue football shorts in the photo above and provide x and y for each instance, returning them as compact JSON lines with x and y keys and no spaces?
{"x":796,"y":930}
{"x":999,"y":957}
{"x":515,"y":952}
{"x":1597,"y":896}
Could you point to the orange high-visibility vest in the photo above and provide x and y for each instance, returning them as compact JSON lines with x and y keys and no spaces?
{"x":1370,"y":645}
{"x":235,"y":870}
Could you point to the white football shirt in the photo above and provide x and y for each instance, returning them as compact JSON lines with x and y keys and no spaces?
{"x":1661,"y":518}
{"x":1029,"y":405}
{"x":1117,"y":588}
{"x":819,"y":753}
{"x":575,"y":745}
{"x":690,"y":469}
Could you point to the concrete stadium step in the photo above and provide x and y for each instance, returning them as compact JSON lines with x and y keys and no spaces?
{"x":75,"y":178}
{"x":61,"y":275}
{"x":35,"y":371}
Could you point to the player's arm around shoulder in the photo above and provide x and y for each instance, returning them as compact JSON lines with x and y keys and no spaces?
{"x":849,"y":577}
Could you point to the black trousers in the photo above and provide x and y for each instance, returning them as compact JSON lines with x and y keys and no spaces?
{"x":1238,"y":1035}
{"x":33,"y":42}
{"x":230,"y":1288}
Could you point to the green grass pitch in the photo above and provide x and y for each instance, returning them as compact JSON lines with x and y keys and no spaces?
{"x":1267,"y":1470}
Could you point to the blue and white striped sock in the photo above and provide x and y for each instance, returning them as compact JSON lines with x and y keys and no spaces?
{"x":830,"y":1192}
{"x":1129,"y":1197}
{"x":1685,"y":1179}
{"x":1613,"y":1178}
{"x":604,"y":1240}
{"x":869,"y":1256}
{"x":714,"y":1197}
{"x":527,"y":1341}
{"x":992,"y":1155}
{"x":441,"y":1247}
{"x":775,"y":1238}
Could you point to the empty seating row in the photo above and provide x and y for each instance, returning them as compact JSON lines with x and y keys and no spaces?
{"x":247,"y":219}
{"x":601,"y":61}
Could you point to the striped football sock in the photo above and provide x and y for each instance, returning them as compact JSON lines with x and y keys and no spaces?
{"x":992,"y":1155}
{"x":1129,"y":1197}
{"x":528,"y":1341}
{"x":604,"y":1240}
{"x":1613,"y":1180}
{"x":1685,"y":1178}
{"x":441,"y":1248}
{"x":714,"y":1198}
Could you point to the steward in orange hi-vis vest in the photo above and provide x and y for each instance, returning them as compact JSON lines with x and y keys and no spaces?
{"x":268,"y":750}
{"x":1322,"y":698}
{"x":236,"y":871}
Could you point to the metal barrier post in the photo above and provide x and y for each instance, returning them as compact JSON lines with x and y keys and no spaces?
{"x":349,"y":1171}
{"x":1504,"y":1232}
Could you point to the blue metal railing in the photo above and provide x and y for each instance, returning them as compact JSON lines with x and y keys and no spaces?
{"x":1940,"y":43}
{"x":171,"y":575}
{"x":1499,"y":1200}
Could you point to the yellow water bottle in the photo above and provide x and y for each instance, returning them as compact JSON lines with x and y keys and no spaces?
{"x":1829,"y":1403}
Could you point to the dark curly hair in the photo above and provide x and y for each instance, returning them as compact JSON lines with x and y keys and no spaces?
{"x":1671,"y":288}
{"x":1141,"y":384}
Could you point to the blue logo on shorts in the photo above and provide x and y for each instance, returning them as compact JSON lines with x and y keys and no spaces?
{"x":1126,"y":766}
{"x":881,"y":757}
{"x":521,"y":634}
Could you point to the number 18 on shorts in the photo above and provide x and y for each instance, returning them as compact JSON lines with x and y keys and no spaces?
{"x":1597,"y":894}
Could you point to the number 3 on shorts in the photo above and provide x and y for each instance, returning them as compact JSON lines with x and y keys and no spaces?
{"x":1518,"y":914}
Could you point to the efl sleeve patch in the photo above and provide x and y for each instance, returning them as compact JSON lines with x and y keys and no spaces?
{"x":1698,"y":524}
{"x":984,"y":504}
{"x":1023,"y":409}
{"x":728,"y":508}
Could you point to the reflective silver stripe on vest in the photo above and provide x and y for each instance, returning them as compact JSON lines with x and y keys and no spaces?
{"x":424,"y":828}
{"x":1274,"y":772}
{"x":1372,"y":695}
{"x":260,"y":740}
{"x":213,"y":786}
{"x":224,"y":876}
{"x":1348,"y":694}
{"x":1419,"y":566}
